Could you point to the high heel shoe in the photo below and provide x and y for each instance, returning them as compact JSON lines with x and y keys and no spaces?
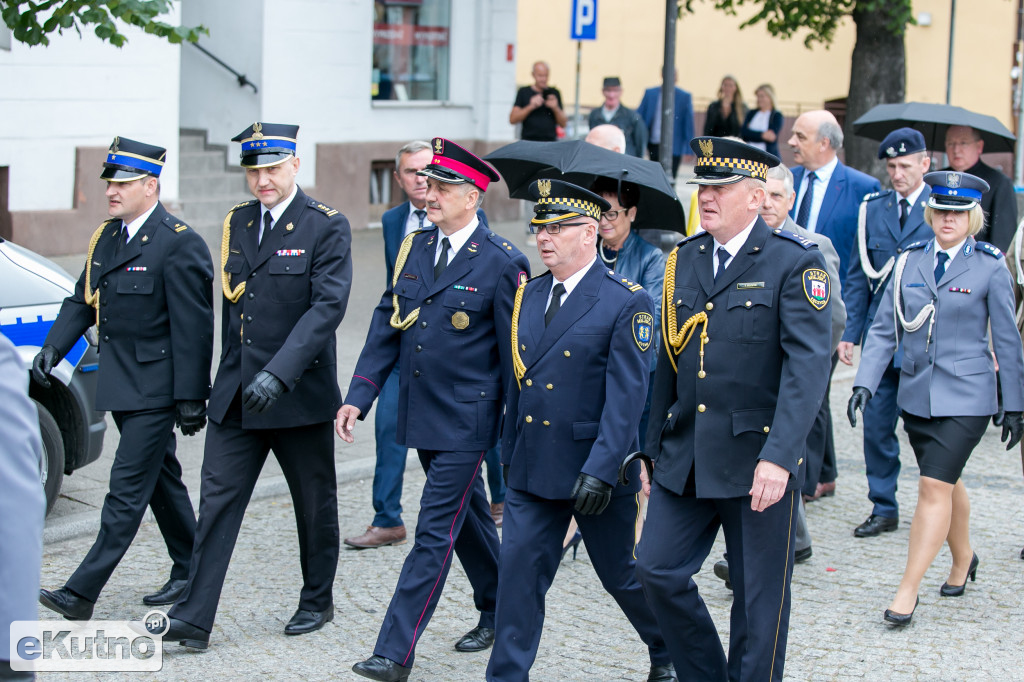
{"x":948,"y":590}
{"x":574,"y":544}
{"x":900,"y":618}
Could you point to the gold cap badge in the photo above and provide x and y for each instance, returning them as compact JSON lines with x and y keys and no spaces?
{"x":544,"y":187}
{"x":707,"y":147}
{"x":257,"y":130}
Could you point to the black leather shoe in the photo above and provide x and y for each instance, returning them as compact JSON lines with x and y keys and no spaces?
{"x":876,"y":525}
{"x":663,"y":673}
{"x":174,"y":630}
{"x":948,"y":590}
{"x":67,"y":603}
{"x":894,"y":618}
{"x":802,"y":555}
{"x":722,"y":571}
{"x":477,"y":639}
{"x":168,"y":594}
{"x":308,"y":621}
{"x":382,"y":669}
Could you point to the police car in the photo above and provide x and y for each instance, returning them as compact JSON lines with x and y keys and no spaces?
{"x":30,"y":298}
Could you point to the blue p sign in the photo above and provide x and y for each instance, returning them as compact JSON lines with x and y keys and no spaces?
{"x":584,"y":20}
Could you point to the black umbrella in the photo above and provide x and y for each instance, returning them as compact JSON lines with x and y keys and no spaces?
{"x":580,"y":163}
{"x":933,"y":120}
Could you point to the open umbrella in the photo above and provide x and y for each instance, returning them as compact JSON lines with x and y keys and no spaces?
{"x":933,"y":120}
{"x":580,"y":163}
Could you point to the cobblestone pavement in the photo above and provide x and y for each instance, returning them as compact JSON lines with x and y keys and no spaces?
{"x":836,"y":630}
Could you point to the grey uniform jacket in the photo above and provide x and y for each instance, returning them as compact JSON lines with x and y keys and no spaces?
{"x":832,"y":268}
{"x":952,"y":373}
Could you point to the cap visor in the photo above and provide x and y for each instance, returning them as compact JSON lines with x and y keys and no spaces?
{"x":954,"y":206}
{"x":122,"y":175}
{"x":444,"y":175}
{"x":264,"y":160}
{"x":715,"y":179}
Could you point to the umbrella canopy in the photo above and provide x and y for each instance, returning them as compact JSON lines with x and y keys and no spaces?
{"x":933,"y":120}
{"x":580,"y":163}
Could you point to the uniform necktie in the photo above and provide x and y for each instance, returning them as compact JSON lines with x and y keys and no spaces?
{"x":122,"y":238}
{"x":442,"y":260}
{"x":904,"y":212}
{"x":804,"y":214}
{"x":940,"y":265}
{"x":723,"y":260}
{"x":421,"y":214}
{"x":267,"y":220}
{"x":556,"y":303}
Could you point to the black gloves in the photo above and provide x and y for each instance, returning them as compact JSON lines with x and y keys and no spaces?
{"x":43,"y":363}
{"x":858,"y":400}
{"x":592,"y":494}
{"x":1013,"y":428}
{"x":263,"y":392}
{"x":190,"y":416}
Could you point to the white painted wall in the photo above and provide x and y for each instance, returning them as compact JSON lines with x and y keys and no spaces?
{"x":82,"y":92}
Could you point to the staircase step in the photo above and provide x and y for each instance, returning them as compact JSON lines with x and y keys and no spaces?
{"x":205,"y":163}
{"x":211,"y":186}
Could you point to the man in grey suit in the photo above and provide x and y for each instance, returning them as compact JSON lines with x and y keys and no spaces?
{"x":22,"y":499}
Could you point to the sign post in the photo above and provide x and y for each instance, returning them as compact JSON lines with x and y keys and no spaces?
{"x":583,"y":26}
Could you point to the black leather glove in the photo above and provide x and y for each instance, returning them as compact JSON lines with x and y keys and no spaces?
{"x":592,"y":494}
{"x":1013,"y":428}
{"x":263,"y":392}
{"x":43,"y":363}
{"x":858,"y":400}
{"x":190,"y":416}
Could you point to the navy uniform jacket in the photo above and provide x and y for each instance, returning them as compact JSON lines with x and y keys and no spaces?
{"x":296,"y":291}
{"x":950,"y":374}
{"x":393,"y":226}
{"x":454,"y":360}
{"x":578,"y":406}
{"x":884,"y":240}
{"x":155,"y":315}
{"x":766,"y":363}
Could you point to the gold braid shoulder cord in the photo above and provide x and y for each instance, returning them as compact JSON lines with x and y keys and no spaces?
{"x":677,"y":340}
{"x":517,"y":362}
{"x":93,"y":297}
{"x":225,"y":279}
{"x":403,"y":254}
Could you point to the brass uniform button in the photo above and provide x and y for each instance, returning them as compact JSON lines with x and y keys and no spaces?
{"x":529,"y":419}
{"x":529,"y":382}
{"x":701,"y":408}
{"x":701,"y":374}
{"x":523,"y":346}
{"x":748,"y":304}
{"x":567,"y":353}
{"x":767,"y":429}
{"x":709,"y":306}
{"x":549,"y":386}
{"x":547,"y":423}
{"x":800,"y":461}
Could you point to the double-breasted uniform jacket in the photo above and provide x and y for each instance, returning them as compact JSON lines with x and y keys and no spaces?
{"x":947,"y":367}
{"x":454,"y":359}
{"x":288,"y":296}
{"x":578,"y":404}
{"x":884,"y":240}
{"x":155,"y":314}
{"x":755,"y":392}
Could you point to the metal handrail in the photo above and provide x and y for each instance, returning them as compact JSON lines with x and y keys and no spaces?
{"x":242,"y":80}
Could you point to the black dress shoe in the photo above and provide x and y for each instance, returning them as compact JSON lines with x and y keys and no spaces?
{"x":894,"y":618}
{"x":168,"y":594}
{"x":308,"y":621}
{"x":876,"y":525}
{"x":722,"y":571}
{"x":477,"y":639}
{"x":663,"y":673}
{"x":67,"y":603}
{"x":174,"y":630}
{"x":802,"y":555}
{"x":382,"y":669}
{"x":948,"y":590}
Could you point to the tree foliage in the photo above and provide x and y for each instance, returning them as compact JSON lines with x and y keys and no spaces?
{"x":820,"y":18}
{"x":33,"y":22}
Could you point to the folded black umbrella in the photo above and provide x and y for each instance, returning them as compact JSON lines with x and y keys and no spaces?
{"x":580,"y":163}
{"x":932,"y":120}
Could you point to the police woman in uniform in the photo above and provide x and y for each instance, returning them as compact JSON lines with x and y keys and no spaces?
{"x":944,"y":295}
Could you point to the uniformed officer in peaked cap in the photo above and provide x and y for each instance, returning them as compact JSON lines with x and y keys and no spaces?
{"x":285,"y":275}
{"x":445,"y":319}
{"x":888,"y":222}
{"x":745,"y":359}
{"x":147,"y":284}
{"x":580,"y":332}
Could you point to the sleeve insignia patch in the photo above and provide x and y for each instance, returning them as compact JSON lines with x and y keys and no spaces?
{"x":816,"y":287}
{"x":643,"y":330}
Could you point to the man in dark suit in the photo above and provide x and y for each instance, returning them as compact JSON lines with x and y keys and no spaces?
{"x":736,"y":391}
{"x":579,"y":333}
{"x":964,"y":148}
{"x":442,"y":320}
{"x":682,"y":129}
{"x":285,"y":274}
{"x":613,"y":112}
{"x":888,"y":223}
{"x":148,"y":285}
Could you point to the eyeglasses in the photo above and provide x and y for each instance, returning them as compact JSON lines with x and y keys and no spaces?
{"x":553,"y":228}
{"x":612,"y":215}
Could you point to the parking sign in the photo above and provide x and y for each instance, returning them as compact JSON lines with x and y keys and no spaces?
{"x":584,"y":20}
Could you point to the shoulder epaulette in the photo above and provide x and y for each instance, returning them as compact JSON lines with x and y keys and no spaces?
{"x":502,"y":244}
{"x":991,"y":250}
{"x":326,"y":210}
{"x":693,"y":236}
{"x":632,"y":286}
{"x":173,"y":223}
{"x":917,"y":244}
{"x":794,"y":237}
{"x":243,"y":204}
{"x":875,"y":195}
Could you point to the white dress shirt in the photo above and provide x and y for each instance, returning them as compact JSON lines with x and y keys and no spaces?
{"x":824,"y":174}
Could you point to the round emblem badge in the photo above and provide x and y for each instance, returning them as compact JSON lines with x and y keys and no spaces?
{"x":460,"y":320}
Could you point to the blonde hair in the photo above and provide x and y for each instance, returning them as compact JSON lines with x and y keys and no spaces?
{"x":768,"y":90}
{"x":975,"y":218}
{"x":737,"y":97}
